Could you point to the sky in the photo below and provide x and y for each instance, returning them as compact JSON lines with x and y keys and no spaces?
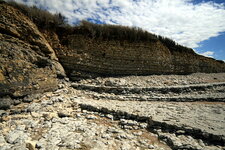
{"x":198,"y":24}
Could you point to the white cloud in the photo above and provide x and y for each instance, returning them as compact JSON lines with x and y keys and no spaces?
{"x":207,"y":53}
{"x":181,"y":20}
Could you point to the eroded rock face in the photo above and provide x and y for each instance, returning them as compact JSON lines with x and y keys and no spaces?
{"x":28,"y":64}
{"x":102,"y":57}
{"x":23,"y":71}
{"x":86,"y":56}
{"x":16,"y":24}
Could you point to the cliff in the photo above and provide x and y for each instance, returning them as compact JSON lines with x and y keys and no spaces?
{"x":98,"y":57}
{"x":33,"y":56}
{"x":106,"y":50}
{"x":28,"y":63}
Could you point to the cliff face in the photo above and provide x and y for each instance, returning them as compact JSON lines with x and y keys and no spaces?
{"x":30,"y":56}
{"x":86,"y":56}
{"x":28,"y":63}
{"x":103,"y":57}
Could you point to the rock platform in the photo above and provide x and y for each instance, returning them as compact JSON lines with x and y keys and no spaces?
{"x":75,"y":118}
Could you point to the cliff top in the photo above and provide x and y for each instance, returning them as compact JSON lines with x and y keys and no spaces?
{"x":57,"y":22}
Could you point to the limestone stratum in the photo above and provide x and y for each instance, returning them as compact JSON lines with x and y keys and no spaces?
{"x":95,"y":86}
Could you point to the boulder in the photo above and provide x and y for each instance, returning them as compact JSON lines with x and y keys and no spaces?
{"x":5,"y":103}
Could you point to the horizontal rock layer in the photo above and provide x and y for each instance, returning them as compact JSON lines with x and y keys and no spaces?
{"x":85,"y":56}
{"x":185,"y":93}
{"x":168,"y":117}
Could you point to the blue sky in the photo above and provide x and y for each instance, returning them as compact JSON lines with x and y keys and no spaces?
{"x":198,"y":24}
{"x":215,"y":45}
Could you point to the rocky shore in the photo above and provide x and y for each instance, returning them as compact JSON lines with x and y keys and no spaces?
{"x":42,"y":109}
{"x":74,"y":118}
{"x":55,"y":120}
{"x":156,"y":80}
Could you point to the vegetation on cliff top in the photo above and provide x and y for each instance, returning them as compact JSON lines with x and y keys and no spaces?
{"x":132,"y":34}
{"x":57,"y":22}
{"x":42,"y":18}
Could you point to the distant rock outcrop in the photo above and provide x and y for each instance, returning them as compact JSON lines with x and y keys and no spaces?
{"x":28,"y":64}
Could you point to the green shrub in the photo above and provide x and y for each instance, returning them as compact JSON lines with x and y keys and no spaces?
{"x":220,"y":61}
{"x":113,"y":32}
{"x":173,"y":46}
{"x":132,"y":34}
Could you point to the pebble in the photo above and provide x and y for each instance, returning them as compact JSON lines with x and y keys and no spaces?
{"x":201,"y":143}
{"x":128,"y":122}
{"x":109,"y":116}
{"x":137,"y":133}
{"x":2,"y":112}
{"x":16,"y":136}
{"x":5,"y":103}
{"x":151,"y":146}
{"x":106,"y":136}
{"x":143,"y":125}
{"x":113,"y":130}
{"x":49,"y":116}
{"x":180,"y":132}
{"x":2,"y":140}
{"x":91,"y":117}
{"x":63,"y":114}
{"x":35,"y":114}
{"x":31,"y":145}
{"x":121,"y":136}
